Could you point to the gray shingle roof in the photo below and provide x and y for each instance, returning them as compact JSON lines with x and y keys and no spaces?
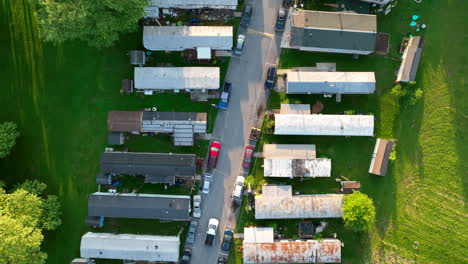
{"x":145,"y":206}
{"x":155,"y":167}
{"x":333,"y":39}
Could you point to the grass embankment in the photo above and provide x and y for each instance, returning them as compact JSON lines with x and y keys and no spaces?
{"x":59,"y":96}
{"x":421,"y":211}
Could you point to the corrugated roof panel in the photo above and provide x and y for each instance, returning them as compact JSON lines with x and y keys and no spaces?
{"x":330,"y":82}
{"x":297,"y":168}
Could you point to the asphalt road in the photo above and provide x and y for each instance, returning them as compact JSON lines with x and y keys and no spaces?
{"x":247,"y":75}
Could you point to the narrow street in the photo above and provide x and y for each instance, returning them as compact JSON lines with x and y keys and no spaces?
{"x":247,"y":75}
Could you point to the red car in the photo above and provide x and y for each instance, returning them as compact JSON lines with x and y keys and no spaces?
{"x":247,"y":157}
{"x":215,"y":147}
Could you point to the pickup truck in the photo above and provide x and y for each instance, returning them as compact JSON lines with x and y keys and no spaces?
{"x":224,"y":98}
{"x":211,"y":233}
{"x":254,"y":136}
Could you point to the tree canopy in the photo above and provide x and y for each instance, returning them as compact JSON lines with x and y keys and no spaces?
{"x":24,"y":213}
{"x":98,"y":22}
{"x":358,"y":212}
{"x":8,"y":135}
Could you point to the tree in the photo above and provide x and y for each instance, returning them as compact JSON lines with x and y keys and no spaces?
{"x":24,"y":213}
{"x":358,"y":212}
{"x":98,"y":22}
{"x":51,"y":213}
{"x":32,"y":186}
{"x":8,"y":135}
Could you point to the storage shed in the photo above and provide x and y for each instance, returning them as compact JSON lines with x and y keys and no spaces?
{"x":348,"y":187}
{"x":380,"y":157}
{"x":177,"y":78}
{"x":179,"y":38}
{"x":195,"y":4}
{"x":410,"y":63}
{"x":259,"y":246}
{"x":130,"y":247}
{"x":137,"y":57}
{"x":324,"y":125}
{"x":299,"y":82}
{"x":336,"y":32}
{"x":277,"y":202}
{"x":139,"y":205}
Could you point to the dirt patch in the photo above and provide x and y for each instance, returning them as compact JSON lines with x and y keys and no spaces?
{"x":317,"y":107}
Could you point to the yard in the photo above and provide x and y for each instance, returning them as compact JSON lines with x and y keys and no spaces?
{"x":59,"y":96}
{"x":421,"y":211}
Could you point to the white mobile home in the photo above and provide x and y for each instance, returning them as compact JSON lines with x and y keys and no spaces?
{"x":130,"y":247}
{"x":178,"y":38}
{"x":176,"y":78}
{"x":330,"y":82}
{"x":194,"y":4}
{"x":324,"y":125}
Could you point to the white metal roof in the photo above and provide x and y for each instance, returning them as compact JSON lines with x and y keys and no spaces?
{"x":297,"y":168}
{"x":204,"y":53}
{"x":258,"y":235}
{"x":330,"y":82}
{"x":289,"y":151}
{"x":277,"y":202}
{"x":295,"y":109}
{"x":176,"y":78}
{"x":187,"y":37}
{"x":192,"y":4}
{"x":324,"y":125}
{"x":308,"y":251}
{"x":130,"y":247}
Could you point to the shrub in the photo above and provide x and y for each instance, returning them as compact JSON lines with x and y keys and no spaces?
{"x":416,"y":96}
{"x":358,"y":212}
{"x":398,"y":91}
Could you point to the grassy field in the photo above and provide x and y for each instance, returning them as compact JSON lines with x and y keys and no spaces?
{"x":421,"y":211}
{"x":59,"y":96}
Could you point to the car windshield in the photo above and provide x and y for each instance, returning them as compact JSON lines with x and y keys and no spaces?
{"x":249,"y":150}
{"x":214,"y":149}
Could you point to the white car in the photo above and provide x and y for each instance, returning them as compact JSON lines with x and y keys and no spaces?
{"x":207,"y":182}
{"x":197,"y":206}
{"x":238,"y":188}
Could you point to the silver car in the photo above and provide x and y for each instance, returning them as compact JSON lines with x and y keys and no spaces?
{"x":240,"y":45}
{"x":207,"y":183}
{"x":197,"y":206}
{"x":192,"y":231}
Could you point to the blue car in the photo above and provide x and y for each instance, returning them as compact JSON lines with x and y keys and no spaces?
{"x":224,"y":98}
{"x":270,"y":79}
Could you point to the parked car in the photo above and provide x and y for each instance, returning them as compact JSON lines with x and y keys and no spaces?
{"x":222,"y":260}
{"x":270,"y":78}
{"x":197,"y":206}
{"x":207,"y":182}
{"x":246,"y":14}
{"x":228,"y":234}
{"x":192,"y":231}
{"x":215,"y":147}
{"x":247,"y":157}
{"x":224,"y":98}
{"x":254,"y":136}
{"x":280,"y":20}
{"x":238,"y":189}
{"x":186,"y":256}
{"x":240,"y":45}
{"x":211,"y":233}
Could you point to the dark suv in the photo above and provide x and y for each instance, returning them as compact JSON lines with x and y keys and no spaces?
{"x":270,"y":79}
{"x":245,"y":20}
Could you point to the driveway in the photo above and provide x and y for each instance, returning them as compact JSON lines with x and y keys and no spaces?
{"x":247,"y":75}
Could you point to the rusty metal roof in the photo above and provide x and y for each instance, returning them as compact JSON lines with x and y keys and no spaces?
{"x":124,"y":121}
{"x":277,"y":202}
{"x":309,"y":251}
{"x":380,"y":157}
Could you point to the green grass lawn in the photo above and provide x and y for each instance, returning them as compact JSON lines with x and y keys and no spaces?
{"x":59,"y":96}
{"x":422,"y":198}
